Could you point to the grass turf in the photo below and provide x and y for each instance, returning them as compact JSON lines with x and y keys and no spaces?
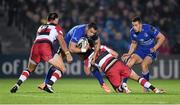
{"x":86,"y":91}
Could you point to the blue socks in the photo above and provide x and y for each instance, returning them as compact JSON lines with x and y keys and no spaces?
{"x":145,"y":75}
{"x":95,"y":72}
{"x":98,"y":75}
{"x":125,"y":80}
{"x":49,"y":74}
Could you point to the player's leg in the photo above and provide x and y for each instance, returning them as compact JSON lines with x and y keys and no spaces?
{"x":34,"y":59}
{"x":51,"y":70}
{"x":58,"y":63}
{"x":135,"y":59}
{"x":47,"y":77}
{"x":115,"y":80}
{"x":145,"y":70}
{"x":24,"y":76}
{"x":97,"y":74}
{"x":144,"y":82}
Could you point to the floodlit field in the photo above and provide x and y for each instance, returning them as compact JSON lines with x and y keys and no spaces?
{"x":77,"y":91}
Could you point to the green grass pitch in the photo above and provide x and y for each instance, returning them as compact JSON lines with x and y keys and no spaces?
{"x":86,"y":91}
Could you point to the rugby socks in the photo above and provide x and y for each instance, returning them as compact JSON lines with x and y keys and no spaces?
{"x":51,"y":70}
{"x":57,"y":74}
{"x":146,"y":84}
{"x":145,"y":75}
{"x":24,"y":75}
{"x":98,"y":76}
{"x":125,"y":80}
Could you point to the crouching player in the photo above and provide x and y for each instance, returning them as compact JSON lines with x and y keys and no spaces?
{"x":115,"y":70}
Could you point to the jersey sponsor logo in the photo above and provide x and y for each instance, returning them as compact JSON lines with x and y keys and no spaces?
{"x":147,"y":42}
{"x":141,"y":40}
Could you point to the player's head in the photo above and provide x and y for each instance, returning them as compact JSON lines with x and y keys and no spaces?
{"x":91,"y":29}
{"x":53,"y":18}
{"x":137,"y":24}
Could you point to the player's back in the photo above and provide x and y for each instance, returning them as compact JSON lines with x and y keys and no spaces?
{"x":104,"y":58}
{"x":48,"y":32}
{"x":75,"y":33}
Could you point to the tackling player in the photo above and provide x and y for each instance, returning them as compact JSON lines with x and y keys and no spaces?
{"x":88,"y":31}
{"x":42,"y":50}
{"x":146,"y":40}
{"x":115,"y":70}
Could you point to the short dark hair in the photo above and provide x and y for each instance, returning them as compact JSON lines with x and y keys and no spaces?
{"x":92,"y":25}
{"x":52,"y":16}
{"x":137,"y":18}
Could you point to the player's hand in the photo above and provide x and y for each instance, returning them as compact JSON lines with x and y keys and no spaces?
{"x":152,"y":50}
{"x":125,"y":57}
{"x":85,"y":48}
{"x":69,"y":58}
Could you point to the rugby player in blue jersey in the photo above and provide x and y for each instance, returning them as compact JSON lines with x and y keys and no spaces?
{"x":146,"y":40}
{"x":88,"y":31}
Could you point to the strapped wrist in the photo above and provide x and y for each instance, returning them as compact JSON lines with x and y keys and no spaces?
{"x":67,"y":52}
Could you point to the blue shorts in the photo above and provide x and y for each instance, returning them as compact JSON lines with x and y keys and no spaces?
{"x":143,"y":54}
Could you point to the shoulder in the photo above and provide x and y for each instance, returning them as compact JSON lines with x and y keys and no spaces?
{"x":147,"y":26}
{"x":59,"y":29}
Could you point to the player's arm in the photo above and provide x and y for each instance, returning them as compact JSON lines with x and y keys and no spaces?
{"x":160,"y":40}
{"x":73,"y":47}
{"x":131,"y":50}
{"x":132,"y":47}
{"x":114,"y":53}
{"x":96,"y":49}
{"x":62,"y":42}
{"x":87,"y":66}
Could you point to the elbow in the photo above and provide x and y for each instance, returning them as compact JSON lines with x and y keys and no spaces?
{"x":164,"y":38}
{"x":116,"y":55}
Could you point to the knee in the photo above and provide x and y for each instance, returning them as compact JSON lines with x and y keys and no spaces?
{"x":131,"y":62}
{"x":62,"y":68}
{"x":144,"y":66}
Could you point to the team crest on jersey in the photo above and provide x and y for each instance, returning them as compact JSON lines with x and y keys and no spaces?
{"x":145,"y":34}
{"x":134,"y":35}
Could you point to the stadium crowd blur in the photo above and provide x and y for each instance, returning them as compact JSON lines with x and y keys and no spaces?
{"x":112,"y":16}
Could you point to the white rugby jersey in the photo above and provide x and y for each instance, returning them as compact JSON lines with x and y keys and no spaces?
{"x":104,"y":60}
{"x":48,"y":32}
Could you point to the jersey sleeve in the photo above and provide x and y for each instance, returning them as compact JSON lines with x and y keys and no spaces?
{"x":153,"y":31}
{"x":132,"y":36}
{"x":76,"y":36}
{"x":106,"y":48}
{"x":59,"y":30}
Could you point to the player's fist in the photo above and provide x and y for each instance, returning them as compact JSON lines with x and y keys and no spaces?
{"x":69,"y":58}
{"x":125,"y":57}
{"x":85,"y":48}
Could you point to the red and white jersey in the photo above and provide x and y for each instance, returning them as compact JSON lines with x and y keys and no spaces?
{"x":104,"y":59}
{"x":48,"y":32}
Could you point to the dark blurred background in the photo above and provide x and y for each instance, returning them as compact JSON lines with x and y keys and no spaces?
{"x":19,"y":20}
